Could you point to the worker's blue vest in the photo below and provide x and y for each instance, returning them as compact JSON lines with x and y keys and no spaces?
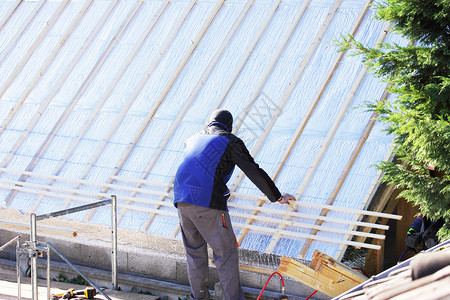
{"x":198,"y":179}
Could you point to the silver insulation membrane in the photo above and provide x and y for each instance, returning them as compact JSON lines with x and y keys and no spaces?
{"x":124,"y":104}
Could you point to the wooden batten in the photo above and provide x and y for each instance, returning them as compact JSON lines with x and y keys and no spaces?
{"x":40,"y":229}
{"x":325,"y":274}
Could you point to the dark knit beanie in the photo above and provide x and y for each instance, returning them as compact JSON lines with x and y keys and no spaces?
{"x":222,"y":117}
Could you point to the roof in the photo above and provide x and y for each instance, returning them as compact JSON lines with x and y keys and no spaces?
{"x":98,"y":96}
{"x":425,"y":275}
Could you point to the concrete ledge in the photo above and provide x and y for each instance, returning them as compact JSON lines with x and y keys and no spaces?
{"x":143,"y":256}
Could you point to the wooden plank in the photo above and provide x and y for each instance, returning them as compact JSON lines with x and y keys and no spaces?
{"x":138,"y":90}
{"x":321,"y":90}
{"x":318,"y":96}
{"x":160,"y":193}
{"x":268,"y":70}
{"x":39,"y":75}
{"x":307,"y":216}
{"x":304,"y":274}
{"x":27,"y":188}
{"x":247,"y":53}
{"x":20,"y":30}
{"x":74,"y":61}
{"x":102,"y":100}
{"x":13,"y":184}
{"x":324,"y":146}
{"x":330,"y":135}
{"x":323,"y":262}
{"x":256,"y":92}
{"x":112,"y":85}
{"x":325,"y":274}
{"x":19,"y":66}
{"x":40,"y":229}
{"x":260,"y":197}
{"x":166,"y":90}
{"x":6,"y":52}
{"x":329,"y":207}
{"x":141,"y":85}
{"x":160,"y":203}
{"x":305,"y":236}
{"x":192,"y":97}
{"x":312,"y":49}
{"x":69,"y":108}
{"x":10,"y":13}
{"x":199,"y":83}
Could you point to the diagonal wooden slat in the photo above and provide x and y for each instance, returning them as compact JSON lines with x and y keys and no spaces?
{"x":141,"y":84}
{"x":246,"y":55}
{"x":241,"y":65}
{"x":31,"y":50}
{"x":144,"y":79}
{"x":103,"y":99}
{"x":38,"y":76}
{"x":327,"y":140}
{"x":313,"y":104}
{"x":67,"y":193}
{"x":330,"y":136}
{"x":344,"y":173}
{"x":140,"y":131}
{"x":10,"y":13}
{"x":257,"y":91}
{"x":6,"y":52}
{"x":194,"y":94}
{"x":20,"y":31}
{"x":293,"y":82}
{"x":95,"y":69}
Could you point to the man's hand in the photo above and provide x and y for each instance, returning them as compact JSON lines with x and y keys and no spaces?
{"x":285,"y":198}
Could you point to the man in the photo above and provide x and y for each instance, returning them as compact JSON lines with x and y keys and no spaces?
{"x":201,"y":196}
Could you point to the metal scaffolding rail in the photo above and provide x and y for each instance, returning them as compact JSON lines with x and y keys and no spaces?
{"x":36,"y":249}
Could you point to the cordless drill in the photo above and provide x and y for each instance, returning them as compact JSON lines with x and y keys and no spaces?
{"x":88,"y":293}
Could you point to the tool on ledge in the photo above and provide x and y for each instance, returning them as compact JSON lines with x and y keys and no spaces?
{"x":88,"y":293}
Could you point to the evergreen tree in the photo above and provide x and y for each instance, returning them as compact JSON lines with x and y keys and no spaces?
{"x":419,"y":117}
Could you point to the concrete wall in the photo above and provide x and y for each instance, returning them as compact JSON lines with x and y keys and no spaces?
{"x":143,"y":259}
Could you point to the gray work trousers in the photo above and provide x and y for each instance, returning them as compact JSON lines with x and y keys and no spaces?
{"x":201,"y":226}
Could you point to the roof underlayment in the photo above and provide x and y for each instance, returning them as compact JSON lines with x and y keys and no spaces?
{"x":98,"y":96}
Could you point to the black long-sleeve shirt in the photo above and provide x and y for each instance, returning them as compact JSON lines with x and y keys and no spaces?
{"x":210,"y":158}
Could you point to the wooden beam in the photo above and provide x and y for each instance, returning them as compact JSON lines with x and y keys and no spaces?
{"x":325,"y":206}
{"x":322,"y":262}
{"x":112,"y":85}
{"x":6,"y":52}
{"x":20,"y":30}
{"x":19,"y":66}
{"x":168,"y":87}
{"x":324,"y":146}
{"x":268,"y":70}
{"x":61,"y":81}
{"x":31,"y":188}
{"x":325,"y":274}
{"x":247,"y":53}
{"x":193,"y":96}
{"x":299,"y":72}
{"x":38,"y":76}
{"x":137,"y":91}
{"x":40,"y":229}
{"x":40,"y":189}
{"x":330,"y":135}
{"x":304,"y":274}
{"x":256,"y":92}
{"x":11,"y":12}
{"x":143,"y":81}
